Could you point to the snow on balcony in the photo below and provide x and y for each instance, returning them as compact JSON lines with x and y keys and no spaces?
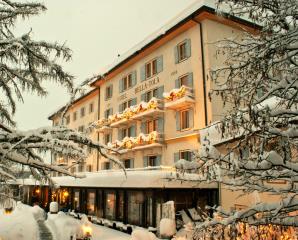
{"x":179,"y":98}
{"x":152,"y":177}
{"x":143,"y":141}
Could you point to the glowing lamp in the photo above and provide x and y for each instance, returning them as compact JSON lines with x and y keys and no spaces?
{"x":7,"y":211}
{"x":37,"y":191}
{"x":87,"y":230}
{"x":65,"y":194}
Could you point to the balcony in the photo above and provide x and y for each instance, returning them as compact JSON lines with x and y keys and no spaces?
{"x":137,"y":112}
{"x":143,"y":141}
{"x":179,"y":98}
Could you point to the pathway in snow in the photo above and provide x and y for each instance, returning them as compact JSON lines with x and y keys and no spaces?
{"x":44,"y":232}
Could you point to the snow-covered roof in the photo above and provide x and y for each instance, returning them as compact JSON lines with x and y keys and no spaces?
{"x":136,"y":178}
{"x":185,"y":15}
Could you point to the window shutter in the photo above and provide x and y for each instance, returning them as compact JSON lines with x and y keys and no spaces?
{"x":131,"y":163}
{"x":111,"y":90}
{"x":134,"y":78}
{"x":188,"y":48}
{"x":190,"y":80}
{"x":142,"y":73}
{"x":159,"y":64}
{"x":177,"y":83}
{"x":143,"y":97}
{"x":160,"y":91}
{"x":143,"y":127}
{"x":178,"y":121}
{"x":120,"y":108}
{"x":106,"y":94}
{"x":120,"y":85}
{"x":132,"y":130}
{"x":158,"y":160}
{"x":120,"y":137}
{"x":134,"y":101}
{"x":176,"y":157}
{"x":176,"y":55}
{"x":160,"y":125}
{"x":145,"y":161}
{"x":106,"y":113}
{"x":191,"y":118}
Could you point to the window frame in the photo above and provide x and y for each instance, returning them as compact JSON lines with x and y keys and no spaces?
{"x":91,"y":107}
{"x":154,"y":123}
{"x":74,"y":116}
{"x":149,"y":157}
{"x":67,"y":118}
{"x":151,"y":68}
{"x":182,"y":120}
{"x":107,"y":138}
{"x":82,"y":112}
{"x":127,"y":81}
{"x":182,"y":57}
{"x":184,"y":151}
{"x":109,"y":92}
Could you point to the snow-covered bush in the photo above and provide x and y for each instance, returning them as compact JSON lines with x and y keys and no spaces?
{"x":142,"y":234}
{"x":167,"y":227}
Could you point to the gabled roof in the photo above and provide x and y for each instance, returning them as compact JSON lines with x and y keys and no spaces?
{"x":197,"y":8}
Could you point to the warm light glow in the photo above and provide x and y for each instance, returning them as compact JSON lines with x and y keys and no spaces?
{"x":87,"y":230}
{"x":8,"y":211}
{"x":65,"y":194}
{"x":37,"y":191}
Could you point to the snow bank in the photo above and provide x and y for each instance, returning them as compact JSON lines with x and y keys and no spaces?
{"x":167,"y":227}
{"x":20,"y":224}
{"x":142,"y":234}
{"x":62,"y":226}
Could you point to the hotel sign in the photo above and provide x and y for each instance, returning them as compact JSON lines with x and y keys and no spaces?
{"x":146,"y":85}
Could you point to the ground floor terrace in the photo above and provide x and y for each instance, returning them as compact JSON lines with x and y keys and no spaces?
{"x":138,"y":197}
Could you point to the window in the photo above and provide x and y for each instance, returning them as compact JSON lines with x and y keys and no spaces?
{"x":91,"y":108}
{"x":128,"y":163}
{"x":109,"y":92}
{"x":67,"y":119}
{"x":107,"y":165}
{"x":74,"y":116}
{"x":151,"y":126}
{"x":81,"y":128}
{"x":127,"y":104}
{"x":107,"y":138}
{"x":157,"y":93}
{"x":151,"y":161}
{"x":151,"y":68}
{"x":185,"y":80}
{"x":108,"y":112}
{"x":89,"y":168}
{"x":184,"y":119}
{"x":186,"y":155}
{"x":182,"y":51}
{"x":82,"y":111}
{"x":127,"y":82}
{"x":80,"y":167}
{"x":72,"y":170}
{"x":127,"y":132}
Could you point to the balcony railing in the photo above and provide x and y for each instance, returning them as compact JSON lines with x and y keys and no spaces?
{"x":179,"y":98}
{"x":142,"y":110}
{"x":153,"y":139}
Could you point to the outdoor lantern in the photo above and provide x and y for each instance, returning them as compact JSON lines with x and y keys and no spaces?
{"x":8,"y":210}
{"x":65,"y":193}
{"x":37,"y":191}
{"x":86,"y":231}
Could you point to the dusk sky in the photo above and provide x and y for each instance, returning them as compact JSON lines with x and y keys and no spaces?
{"x":96,"y":31}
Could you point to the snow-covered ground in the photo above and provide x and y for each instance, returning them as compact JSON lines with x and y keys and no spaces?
{"x":28,"y":223}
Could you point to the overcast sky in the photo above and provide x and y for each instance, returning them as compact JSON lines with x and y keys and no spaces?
{"x":96,"y":31}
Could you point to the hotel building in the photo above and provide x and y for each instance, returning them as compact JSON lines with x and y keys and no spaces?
{"x":150,"y":105}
